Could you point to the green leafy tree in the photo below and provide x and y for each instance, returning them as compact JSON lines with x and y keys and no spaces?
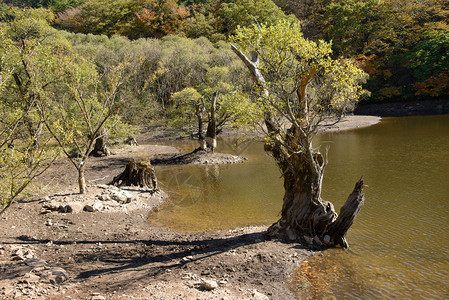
{"x":429,"y":60}
{"x":21,"y":159}
{"x":62,"y":96}
{"x":234,"y":13}
{"x":142,"y":55}
{"x":215,"y":102}
{"x":27,"y":47}
{"x":356,"y":25}
{"x":56,"y":5}
{"x":61,"y":5}
{"x":380,"y":33}
{"x":299,"y":88}
{"x":200,"y":25}
{"x":83,"y":111}
{"x":109,"y":17}
{"x":131,"y":18}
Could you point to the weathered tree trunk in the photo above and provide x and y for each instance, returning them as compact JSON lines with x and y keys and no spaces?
{"x":137,"y":174}
{"x":305,"y":216}
{"x":348,"y":212}
{"x":100,"y":148}
{"x":211,"y":134}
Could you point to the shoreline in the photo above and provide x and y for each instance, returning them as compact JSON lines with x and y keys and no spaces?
{"x":117,"y":254}
{"x":403,"y":109}
{"x":353,"y":122}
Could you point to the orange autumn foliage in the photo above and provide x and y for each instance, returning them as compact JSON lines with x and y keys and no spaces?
{"x":434,"y":86}
{"x":165,"y":17}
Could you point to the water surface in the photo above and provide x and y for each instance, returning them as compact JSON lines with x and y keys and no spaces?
{"x":399,"y":242}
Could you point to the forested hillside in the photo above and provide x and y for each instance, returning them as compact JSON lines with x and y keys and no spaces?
{"x":402,"y":45}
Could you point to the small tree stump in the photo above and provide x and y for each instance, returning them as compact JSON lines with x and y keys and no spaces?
{"x":100,"y":149}
{"x":131,"y":141}
{"x":137,"y":174}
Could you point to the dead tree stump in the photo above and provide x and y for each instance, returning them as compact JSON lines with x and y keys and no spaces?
{"x":100,"y":148}
{"x":131,"y":141}
{"x":348,"y":212}
{"x":137,"y":174}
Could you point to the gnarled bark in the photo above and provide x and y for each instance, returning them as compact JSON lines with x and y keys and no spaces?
{"x":137,"y":174}
{"x":312,"y":220}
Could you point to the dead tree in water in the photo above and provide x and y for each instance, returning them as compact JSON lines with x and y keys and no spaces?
{"x":137,"y":174}
{"x":299,"y":88}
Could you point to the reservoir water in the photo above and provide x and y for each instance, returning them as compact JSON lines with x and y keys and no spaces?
{"x":399,"y":244}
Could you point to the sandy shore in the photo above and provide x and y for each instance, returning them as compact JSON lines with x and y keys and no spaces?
{"x":353,"y":122}
{"x":115,"y":254}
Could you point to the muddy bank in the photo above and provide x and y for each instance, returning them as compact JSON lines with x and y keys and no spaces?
{"x":196,"y":157}
{"x":117,"y":255}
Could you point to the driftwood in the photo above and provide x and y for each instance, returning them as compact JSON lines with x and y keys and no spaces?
{"x":137,"y":174}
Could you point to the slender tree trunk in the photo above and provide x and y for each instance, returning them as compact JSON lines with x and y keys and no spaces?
{"x":81,"y":177}
{"x":201,"y":138}
{"x":211,"y":134}
{"x":199,"y":114}
{"x":37,"y":134}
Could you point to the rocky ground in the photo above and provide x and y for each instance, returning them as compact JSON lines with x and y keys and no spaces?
{"x":59,"y":244}
{"x":116,"y":254}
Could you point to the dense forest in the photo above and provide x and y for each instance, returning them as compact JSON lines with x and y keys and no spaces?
{"x":73,"y":70}
{"x":402,"y":45}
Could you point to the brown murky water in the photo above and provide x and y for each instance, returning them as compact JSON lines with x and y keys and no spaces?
{"x":399,"y":243}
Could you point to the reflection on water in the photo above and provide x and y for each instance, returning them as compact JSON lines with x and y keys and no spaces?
{"x":399,"y":242}
{"x":212,"y":197}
